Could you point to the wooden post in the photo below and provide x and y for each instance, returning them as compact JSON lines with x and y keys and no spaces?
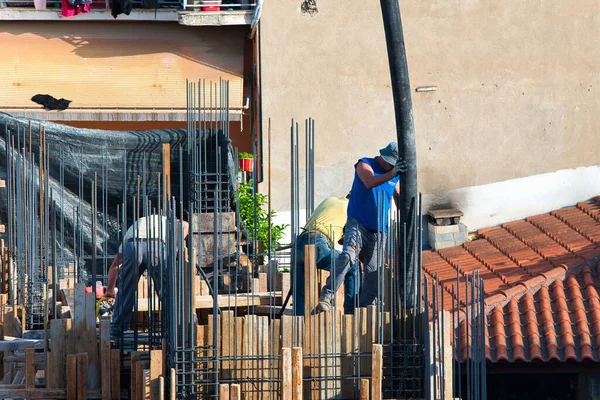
{"x":156,"y":364}
{"x":364,"y":389}
{"x":224,"y":391}
{"x":161,"y":388}
{"x":105,"y":357}
{"x":286,"y":374}
{"x":173,"y":384}
{"x":30,"y":367}
{"x":377,"y":371}
{"x":115,"y":374}
{"x":235,"y":392}
{"x":71,"y":376}
{"x":82,"y":376}
{"x":297,"y":366}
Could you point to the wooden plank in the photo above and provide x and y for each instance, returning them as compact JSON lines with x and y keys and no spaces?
{"x":227,"y":301}
{"x":348,"y":349}
{"x":140,"y":387}
{"x":156,"y":365}
{"x":146,"y":384}
{"x":226,"y":330}
{"x":265,"y":352}
{"x":71,"y":377}
{"x":115,"y":374}
{"x":239,"y":344}
{"x":286,"y":373}
{"x":30,"y":367}
{"x":235,"y":392}
{"x":362,"y":326}
{"x":262,"y":278}
{"x":377,"y":372}
{"x":224,"y":391}
{"x":78,"y":312}
{"x":82,"y":378}
{"x":287,"y":334}
{"x":370,"y":339}
{"x":91,"y":342}
{"x":105,"y":357}
{"x":246,"y":352}
{"x":274,"y":337}
{"x":297,"y":366}
{"x":311,"y":294}
{"x":18,"y":392}
{"x":135,"y":358}
{"x":56,"y":368}
{"x":364,"y":389}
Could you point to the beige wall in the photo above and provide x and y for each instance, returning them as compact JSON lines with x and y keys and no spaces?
{"x":518,"y":88}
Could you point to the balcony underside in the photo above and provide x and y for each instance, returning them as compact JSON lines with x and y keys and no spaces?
{"x":174,"y":12}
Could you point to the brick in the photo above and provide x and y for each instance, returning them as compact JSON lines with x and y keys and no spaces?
{"x":440,"y":230}
{"x":444,"y":237}
{"x":443,"y":244}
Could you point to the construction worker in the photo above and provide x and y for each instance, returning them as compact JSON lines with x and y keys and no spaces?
{"x":376,"y":181}
{"x":143,"y":248}
{"x":324,"y":228}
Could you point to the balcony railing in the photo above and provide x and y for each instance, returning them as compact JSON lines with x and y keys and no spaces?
{"x":104,"y":5}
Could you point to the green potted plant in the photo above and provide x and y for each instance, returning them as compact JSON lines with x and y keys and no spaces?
{"x":246,"y":161}
{"x":256,"y":219}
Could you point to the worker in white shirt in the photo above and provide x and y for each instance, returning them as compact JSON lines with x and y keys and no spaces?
{"x":143,"y":248}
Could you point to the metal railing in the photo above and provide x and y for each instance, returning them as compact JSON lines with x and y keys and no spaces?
{"x":191,"y":5}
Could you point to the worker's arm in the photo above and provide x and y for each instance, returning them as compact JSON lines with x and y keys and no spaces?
{"x":368,"y":178}
{"x":397,"y":194}
{"x":113,"y":274}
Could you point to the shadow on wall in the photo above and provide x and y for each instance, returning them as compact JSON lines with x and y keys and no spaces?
{"x":92,"y":40}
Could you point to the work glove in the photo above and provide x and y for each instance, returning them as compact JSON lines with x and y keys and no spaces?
{"x":400,"y":167}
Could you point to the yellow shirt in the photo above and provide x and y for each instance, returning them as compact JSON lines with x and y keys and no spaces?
{"x":329,"y":218}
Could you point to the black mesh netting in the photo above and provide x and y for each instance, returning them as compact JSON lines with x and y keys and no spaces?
{"x":120,"y":162}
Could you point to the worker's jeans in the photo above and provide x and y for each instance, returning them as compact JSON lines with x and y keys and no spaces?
{"x":358,"y":238}
{"x":138,"y":255}
{"x":326,"y":256}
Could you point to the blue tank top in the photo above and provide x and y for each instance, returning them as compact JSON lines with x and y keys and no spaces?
{"x":363,"y":201}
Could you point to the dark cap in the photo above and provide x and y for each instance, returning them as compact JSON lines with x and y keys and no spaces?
{"x":390,"y":153}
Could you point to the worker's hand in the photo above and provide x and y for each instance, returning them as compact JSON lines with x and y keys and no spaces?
{"x":400,"y":167}
{"x":109,"y":293}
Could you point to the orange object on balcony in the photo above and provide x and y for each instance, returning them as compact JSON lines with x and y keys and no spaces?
{"x":211,"y":5}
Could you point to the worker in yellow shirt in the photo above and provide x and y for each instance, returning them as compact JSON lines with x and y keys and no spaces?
{"x":324,"y":228}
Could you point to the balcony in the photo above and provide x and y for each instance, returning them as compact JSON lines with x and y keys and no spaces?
{"x":186,"y":12}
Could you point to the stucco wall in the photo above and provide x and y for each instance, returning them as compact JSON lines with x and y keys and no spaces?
{"x":518,"y":88}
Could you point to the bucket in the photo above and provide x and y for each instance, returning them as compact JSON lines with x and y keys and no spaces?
{"x":210,"y":5}
{"x":246,"y":164}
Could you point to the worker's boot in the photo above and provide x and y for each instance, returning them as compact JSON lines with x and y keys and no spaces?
{"x":323,"y":306}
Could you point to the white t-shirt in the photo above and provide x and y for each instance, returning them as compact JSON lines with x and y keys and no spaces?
{"x":151,"y":227}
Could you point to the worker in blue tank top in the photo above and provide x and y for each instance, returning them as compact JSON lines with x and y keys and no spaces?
{"x":376,"y":182}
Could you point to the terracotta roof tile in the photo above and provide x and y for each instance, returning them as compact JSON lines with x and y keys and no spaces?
{"x":541,"y":291}
{"x":516,"y":250}
{"x":592,"y":208}
{"x":579,"y":221}
{"x":563,"y":234}
{"x":467,"y":264}
{"x":543,"y":244}
{"x":497,"y":262}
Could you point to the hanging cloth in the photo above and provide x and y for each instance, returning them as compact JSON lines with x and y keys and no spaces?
{"x":70,"y":10}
